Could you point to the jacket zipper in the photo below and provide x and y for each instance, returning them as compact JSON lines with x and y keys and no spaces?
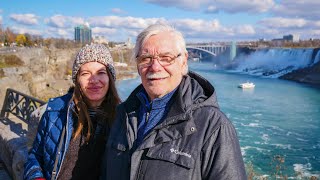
{"x":147,"y":116}
{"x":139,"y":169}
{"x":64,"y":152}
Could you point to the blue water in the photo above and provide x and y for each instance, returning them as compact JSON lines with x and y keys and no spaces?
{"x":277,"y":117}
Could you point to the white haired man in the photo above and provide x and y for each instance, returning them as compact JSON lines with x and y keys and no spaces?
{"x":170,"y":127}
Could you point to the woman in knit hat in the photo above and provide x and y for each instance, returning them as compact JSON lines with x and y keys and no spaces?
{"x":72,"y":131}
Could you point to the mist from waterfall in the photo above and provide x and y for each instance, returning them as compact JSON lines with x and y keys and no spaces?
{"x":276,"y":62}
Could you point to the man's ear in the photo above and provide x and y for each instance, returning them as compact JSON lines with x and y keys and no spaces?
{"x":138,"y":70}
{"x":186,"y":55}
{"x":185,"y":64}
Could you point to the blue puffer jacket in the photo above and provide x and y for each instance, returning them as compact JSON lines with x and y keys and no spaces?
{"x":42,"y":156}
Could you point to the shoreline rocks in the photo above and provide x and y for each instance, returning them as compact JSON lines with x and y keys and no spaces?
{"x":309,"y":75}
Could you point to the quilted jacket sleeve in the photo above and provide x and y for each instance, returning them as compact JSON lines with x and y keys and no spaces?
{"x":32,"y":168}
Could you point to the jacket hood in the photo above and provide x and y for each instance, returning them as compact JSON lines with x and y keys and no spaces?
{"x":202,"y":91}
{"x":193,"y":92}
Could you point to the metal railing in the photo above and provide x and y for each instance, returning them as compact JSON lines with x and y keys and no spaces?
{"x":19,"y":104}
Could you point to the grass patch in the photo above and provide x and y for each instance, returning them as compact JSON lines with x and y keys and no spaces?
{"x":10,"y":61}
{"x":278,"y":169}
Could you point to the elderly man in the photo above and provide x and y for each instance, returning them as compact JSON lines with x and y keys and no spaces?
{"x":170,"y":127}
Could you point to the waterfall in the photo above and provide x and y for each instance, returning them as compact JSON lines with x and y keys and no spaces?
{"x":317,"y":58}
{"x":275,"y":62}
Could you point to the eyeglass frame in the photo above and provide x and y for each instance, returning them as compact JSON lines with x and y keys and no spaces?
{"x":158,"y":58}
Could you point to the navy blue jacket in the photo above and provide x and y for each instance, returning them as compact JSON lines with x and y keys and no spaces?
{"x":44,"y":151}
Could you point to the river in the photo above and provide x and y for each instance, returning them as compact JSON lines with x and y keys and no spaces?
{"x":278,"y":122}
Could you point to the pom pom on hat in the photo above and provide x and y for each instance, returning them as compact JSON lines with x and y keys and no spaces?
{"x":93,"y":53}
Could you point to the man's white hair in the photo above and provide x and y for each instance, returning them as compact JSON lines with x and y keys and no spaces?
{"x":156,"y":29}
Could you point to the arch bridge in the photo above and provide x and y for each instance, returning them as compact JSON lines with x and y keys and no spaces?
{"x":211,"y":49}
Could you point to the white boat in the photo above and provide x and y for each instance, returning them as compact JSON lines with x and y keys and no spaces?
{"x":247,"y":85}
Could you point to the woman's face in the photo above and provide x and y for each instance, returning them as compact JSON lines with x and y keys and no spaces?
{"x":94,"y":82}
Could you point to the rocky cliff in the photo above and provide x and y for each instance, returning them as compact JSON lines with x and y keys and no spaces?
{"x":43,"y":75}
{"x":309,"y":75}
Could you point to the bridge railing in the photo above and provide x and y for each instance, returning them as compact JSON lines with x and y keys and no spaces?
{"x":14,"y":138}
{"x":19,"y":105}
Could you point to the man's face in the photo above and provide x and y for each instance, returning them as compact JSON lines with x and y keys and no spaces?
{"x":94,"y":82}
{"x":158,"y":80}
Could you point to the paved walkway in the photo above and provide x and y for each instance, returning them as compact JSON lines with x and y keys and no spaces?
{"x":13,"y":130}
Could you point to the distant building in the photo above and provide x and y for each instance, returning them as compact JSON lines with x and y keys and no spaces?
{"x":291,"y":37}
{"x":262,"y":40}
{"x":83,"y":33}
{"x":100,"y":39}
{"x":286,"y":38}
{"x":296,"y":38}
{"x":128,"y":43}
{"x":277,"y":42}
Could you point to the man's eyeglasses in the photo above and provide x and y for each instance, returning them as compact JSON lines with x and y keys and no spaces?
{"x":163,"y":59}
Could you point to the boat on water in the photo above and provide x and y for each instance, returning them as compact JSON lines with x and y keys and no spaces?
{"x":247,"y":85}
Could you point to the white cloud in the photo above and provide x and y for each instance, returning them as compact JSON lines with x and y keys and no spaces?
{"x":60,"y":21}
{"x":245,"y":30}
{"x":211,"y":9}
{"x":308,"y":9}
{"x":305,"y":32}
{"x":237,"y":6}
{"x":23,"y":30}
{"x":183,"y":4}
{"x":63,"y":33}
{"x":56,"y":21}
{"x":122,"y":22}
{"x":279,"y":22}
{"x":316,"y":23}
{"x":66,"y":33}
{"x":124,"y":26}
{"x":115,"y":34}
{"x":103,"y":31}
{"x":209,"y":6}
{"x":198,"y":25}
{"x":197,"y":29}
{"x":26,"y":19}
{"x":133,"y":33}
{"x":269,"y":32}
{"x":118,"y":28}
{"x":118,"y":11}
{"x":314,"y":33}
{"x":114,"y":27}
{"x":0,"y":20}
{"x":76,"y":21}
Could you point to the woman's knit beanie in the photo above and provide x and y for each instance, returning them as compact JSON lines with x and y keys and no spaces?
{"x":93,"y":53}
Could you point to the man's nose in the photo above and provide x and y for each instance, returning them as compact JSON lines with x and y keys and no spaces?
{"x":155,"y":65}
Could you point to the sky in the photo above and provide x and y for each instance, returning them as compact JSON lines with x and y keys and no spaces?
{"x":198,"y":20}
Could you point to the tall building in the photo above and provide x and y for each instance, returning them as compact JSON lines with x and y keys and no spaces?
{"x":83,"y":33}
{"x":291,"y":37}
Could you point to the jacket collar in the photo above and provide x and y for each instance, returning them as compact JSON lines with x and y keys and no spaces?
{"x":193,"y":92}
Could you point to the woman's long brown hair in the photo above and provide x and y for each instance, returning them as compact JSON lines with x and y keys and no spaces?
{"x":106,"y":114}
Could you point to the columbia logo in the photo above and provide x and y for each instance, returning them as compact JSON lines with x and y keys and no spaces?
{"x":180,"y":152}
